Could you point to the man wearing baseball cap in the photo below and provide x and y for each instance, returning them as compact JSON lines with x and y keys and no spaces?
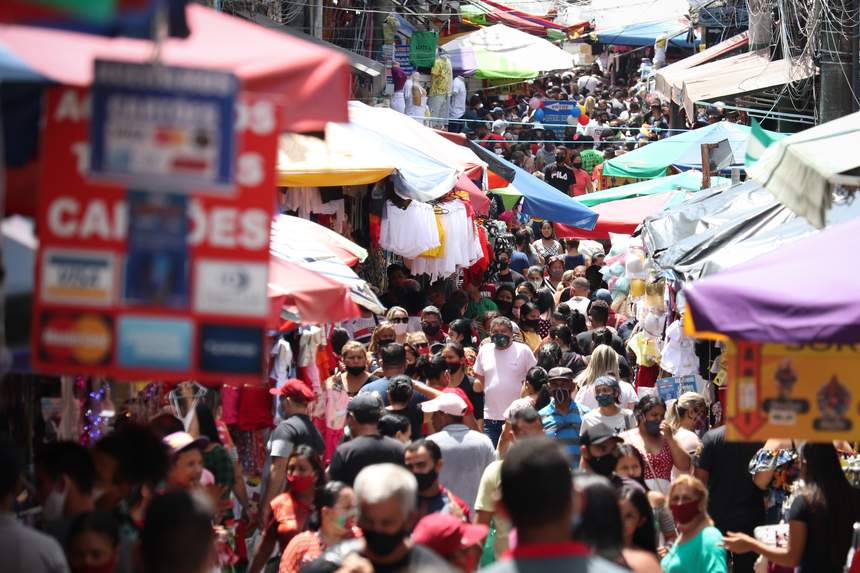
{"x":295,"y":429}
{"x":598,"y":447}
{"x":431,"y":324}
{"x":186,"y":460}
{"x":456,"y":541}
{"x":366,"y":446}
{"x":562,"y":417}
{"x":465,"y":451}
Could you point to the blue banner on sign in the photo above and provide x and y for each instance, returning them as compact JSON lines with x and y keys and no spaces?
{"x":154,"y":343}
{"x":163,"y":127}
{"x":560,"y":112}
{"x":157,"y":265}
{"x":672,"y":388}
{"x":235,"y":349}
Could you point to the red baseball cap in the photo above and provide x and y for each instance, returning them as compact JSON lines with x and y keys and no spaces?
{"x":294,"y":389}
{"x":445,"y":534}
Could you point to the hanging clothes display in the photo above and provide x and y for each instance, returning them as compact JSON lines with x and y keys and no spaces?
{"x":462,"y":244}
{"x":411,"y":231}
{"x":678,"y":356}
{"x":307,"y":200}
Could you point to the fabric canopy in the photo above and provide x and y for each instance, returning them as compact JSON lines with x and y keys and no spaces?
{"x":690,"y":181}
{"x":428,"y":165}
{"x":646,"y":33}
{"x":316,"y":79}
{"x":623,"y":216}
{"x":682,"y":151}
{"x":305,"y":161}
{"x":317,"y":299}
{"x":759,"y":300}
{"x":502,"y":52}
{"x":668,"y":80}
{"x":540,"y":199}
{"x":310,"y":241}
{"x":608,"y":14}
{"x":799,"y":169}
{"x":745,"y":73}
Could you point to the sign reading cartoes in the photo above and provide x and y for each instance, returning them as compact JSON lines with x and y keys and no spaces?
{"x":163,"y":127}
{"x":805,"y":391}
{"x":140,"y":283}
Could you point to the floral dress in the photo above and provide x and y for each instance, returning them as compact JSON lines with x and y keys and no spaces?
{"x":786,"y":469}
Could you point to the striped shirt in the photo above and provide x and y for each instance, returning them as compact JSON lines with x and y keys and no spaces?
{"x":564,"y":427}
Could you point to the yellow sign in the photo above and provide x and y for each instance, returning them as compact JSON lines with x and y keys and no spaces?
{"x":809,"y":391}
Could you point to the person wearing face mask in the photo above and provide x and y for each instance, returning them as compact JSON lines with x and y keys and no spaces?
{"x":424,"y":459}
{"x":599,"y":448}
{"x":529,"y":323}
{"x":93,"y":545}
{"x":458,"y":542}
{"x":65,"y":476}
{"x":383,"y":335}
{"x":558,"y":174}
{"x":562,"y":417}
{"x":499,"y":369}
{"x":555,"y":272}
{"x":466,"y":451}
{"x":504,"y":299}
{"x":607,"y":394}
{"x":505,"y":274}
{"x":289,"y":511}
{"x":333,"y":522}
{"x":699,"y":546}
{"x":688,"y":416}
{"x":546,"y":246}
{"x":461,"y":331}
{"x":431,"y":324}
{"x":386,"y":497}
{"x":656,"y":442}
{"x":399,"y":319}
{"x":23,"y":549}
{"x":455,"y":361}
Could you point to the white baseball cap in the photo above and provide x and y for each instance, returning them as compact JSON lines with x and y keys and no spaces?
{"x":447,"y":403}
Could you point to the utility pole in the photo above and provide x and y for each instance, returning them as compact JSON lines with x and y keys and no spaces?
{"x":837,"y":52}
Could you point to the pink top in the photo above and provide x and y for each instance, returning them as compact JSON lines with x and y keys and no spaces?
{"x":581,"y":180}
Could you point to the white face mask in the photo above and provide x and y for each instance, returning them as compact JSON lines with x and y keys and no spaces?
{"x":537,"y":284}
{"x":400,"y":328}
{"x":55,"y":504}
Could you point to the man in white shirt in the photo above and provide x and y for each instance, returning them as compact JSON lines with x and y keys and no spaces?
{"x":587,"y":83}
{"x":24,"y":549}
{"x":457,"y":104}
{"x":500,"y":369}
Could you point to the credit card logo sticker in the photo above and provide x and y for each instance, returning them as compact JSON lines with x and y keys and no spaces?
{"x":78,"y":277}
{"x":231,"y":288}
{"x":76,"y":338}
{"x":235,"y":349}
{"x":146,"y":342}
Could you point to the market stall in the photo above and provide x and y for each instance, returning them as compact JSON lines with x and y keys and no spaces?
{"x":624,"y":215}
{"x":690,"y":181}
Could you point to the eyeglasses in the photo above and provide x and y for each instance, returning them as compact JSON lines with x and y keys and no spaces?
{"x":399,"y":320}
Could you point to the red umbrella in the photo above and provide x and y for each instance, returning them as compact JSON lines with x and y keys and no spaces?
{"x":316,"y":79}
{"x":317,"y":298}
{"x":621,"y":216}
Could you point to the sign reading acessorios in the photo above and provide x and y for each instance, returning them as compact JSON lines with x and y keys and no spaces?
{"x":95,"y":315}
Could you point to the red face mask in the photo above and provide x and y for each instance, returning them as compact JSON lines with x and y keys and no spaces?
{"x":685,"y":512}
{"x":425,"y":350}
{"x":300,"y":484}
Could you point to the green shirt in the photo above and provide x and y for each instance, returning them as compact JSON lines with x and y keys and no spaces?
{"x":702,"y":554}
{"x":474,"y":309}
{"x":590,"y":158}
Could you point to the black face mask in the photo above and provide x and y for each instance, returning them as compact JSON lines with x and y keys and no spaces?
{"x":430,"y":329}
{"x":577,"y":164}
{"x":603,"y":465}
{"x":503,"y":265}
{"x":386,"y":342}
{"x":355,"y":370}
{"x":533,"y":324}
{"x":504,"y":306}
{"x":454,"y":367}
{"x":383,"y":543}
{"x":425,"y":480}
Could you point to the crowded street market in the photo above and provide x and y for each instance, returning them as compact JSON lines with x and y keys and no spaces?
{"x":439,"y":286}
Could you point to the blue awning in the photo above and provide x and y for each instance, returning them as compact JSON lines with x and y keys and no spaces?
{"x":646,"y":33}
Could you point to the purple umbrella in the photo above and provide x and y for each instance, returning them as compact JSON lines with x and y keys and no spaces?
{"x":805,"y":291}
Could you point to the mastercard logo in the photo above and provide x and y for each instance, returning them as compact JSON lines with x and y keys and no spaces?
{"x":85,"y":339}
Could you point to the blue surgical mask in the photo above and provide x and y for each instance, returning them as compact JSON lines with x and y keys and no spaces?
{"x":653,"y":427}
{"x":605,"y":399}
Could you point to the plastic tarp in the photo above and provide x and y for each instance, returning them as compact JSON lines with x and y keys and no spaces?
{"x":668,"y":80}
{"x":682,"y":151}
{"x":624,"y":216}
{"x":646,"y":33}
{"x":716,"y":229}
{"x":502,"y":52}
{"x":606,"y":14}
{"x":799,"y":169}
{"x":540,"y":199}
{"x":428,"y":165}
{"x":312,"y":241}
{"x":690,"y":181}
{"x":754,"y":300}
{"x":305,"y":161}
{"x":317,"y":299}
{"x":744,"y":73}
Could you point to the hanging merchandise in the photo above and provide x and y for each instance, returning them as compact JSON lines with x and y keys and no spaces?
{"x":462,"y":244}
{"x":422,"y":49}
{"x":678,"y":356}
{"x":411,"y":231}
{"x":184,"y":399}
{"x":307,"y":200}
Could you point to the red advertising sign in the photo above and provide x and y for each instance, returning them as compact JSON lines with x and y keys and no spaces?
{"x":135,"y":284}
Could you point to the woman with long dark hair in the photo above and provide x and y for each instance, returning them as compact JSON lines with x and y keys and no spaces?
{"x":820,"y":521}
{"x":290,"y":510}
{"x":599,"y":526}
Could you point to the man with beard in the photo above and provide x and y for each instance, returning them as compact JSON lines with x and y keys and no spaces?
{"x":386,"y":496}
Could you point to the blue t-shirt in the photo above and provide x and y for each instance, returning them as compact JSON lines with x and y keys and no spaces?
{"x":519,"y":262}
{"x":564,"y":427}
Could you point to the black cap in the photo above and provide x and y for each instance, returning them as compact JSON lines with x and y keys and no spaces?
{"x":367,"y":407}
{"x":597,"y":435}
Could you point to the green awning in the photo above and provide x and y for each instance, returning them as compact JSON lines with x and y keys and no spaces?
{"x":690,"y":181}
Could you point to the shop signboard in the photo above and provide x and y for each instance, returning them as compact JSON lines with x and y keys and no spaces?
{"x":806,"y":392}
{"x":163,"y":127}
{"x":672,"y":388}
{"x":557,"y":114}
{"x":136,"y":283}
